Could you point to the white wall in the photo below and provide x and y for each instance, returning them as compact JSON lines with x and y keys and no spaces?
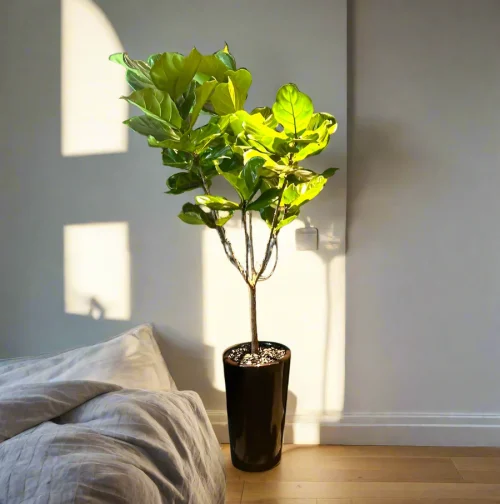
{"x":423,"y":268}
{"x":42,"y":193}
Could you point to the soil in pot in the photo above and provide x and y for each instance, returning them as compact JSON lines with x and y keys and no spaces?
{"x":256,"y":393}
{"x":243,"y":356}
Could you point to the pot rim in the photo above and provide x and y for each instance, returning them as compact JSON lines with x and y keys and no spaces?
{"x":287,"y":356}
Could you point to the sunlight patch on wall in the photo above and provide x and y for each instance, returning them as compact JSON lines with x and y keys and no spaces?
{"x":293,"y":308}
{"x":91,"y":111}
{"x":97,"y":270}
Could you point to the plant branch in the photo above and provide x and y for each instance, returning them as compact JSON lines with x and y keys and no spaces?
{"x":226,"y":244}
{"x":272,"y":236}
{"x":270,"y":274}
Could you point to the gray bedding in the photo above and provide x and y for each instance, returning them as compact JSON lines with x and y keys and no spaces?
{"x":93,"y":442}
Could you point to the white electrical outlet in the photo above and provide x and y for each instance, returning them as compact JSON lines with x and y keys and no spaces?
{"x":306,"y":238}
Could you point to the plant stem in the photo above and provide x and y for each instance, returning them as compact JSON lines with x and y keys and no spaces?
{"x":253,"y":318}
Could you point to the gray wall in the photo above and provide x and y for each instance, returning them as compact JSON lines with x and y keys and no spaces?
{"x":41,"y":191}
{"x":423,"y":268}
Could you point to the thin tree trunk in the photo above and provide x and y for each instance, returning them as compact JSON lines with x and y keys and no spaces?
{"x":253,"y":317}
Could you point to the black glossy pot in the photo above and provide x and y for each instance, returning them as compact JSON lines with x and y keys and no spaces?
{"x":256,"y":408}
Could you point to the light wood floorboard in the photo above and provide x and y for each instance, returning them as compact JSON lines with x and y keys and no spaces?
{"x":371,"y":475}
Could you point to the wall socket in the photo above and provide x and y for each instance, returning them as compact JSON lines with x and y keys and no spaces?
{"x":306,"y":238}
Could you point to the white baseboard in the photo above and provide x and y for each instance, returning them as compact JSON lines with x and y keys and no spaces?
{"x":413,"y":429}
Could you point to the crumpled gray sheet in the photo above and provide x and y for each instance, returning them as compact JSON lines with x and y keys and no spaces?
{"x":92,"y":442}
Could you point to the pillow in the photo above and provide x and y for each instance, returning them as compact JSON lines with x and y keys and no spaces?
{"x":130,"y":360}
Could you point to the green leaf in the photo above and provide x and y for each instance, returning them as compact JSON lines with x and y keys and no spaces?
{"x":290,"y":194}
{"x":182,"y":182}
{"x":226,"y":57}
{"x":201,"y":137}
{"x":293,"y":109}
{"x":153,"y":58}
{"x":172,"y":72}
{"x":211,"y":153}
{"x":250,"y":172}
{"x":266,"y":199}
{"x":223,"y":217}
{"x":193,"y":214}
{"x":259,"y":135}
{"x":229,"y":97}
{"x":267,"y":214}
{"x":252,"y":153}
{"x":138,"y":72}
{"x":290,"y":215}
{"x":186,"y":101}
{"x":156,"y":104}
{"x":302,"y":193}
{"x":321,"y":118}
{"x":177,"y":159}
{"x":202,"y":93}
{"x":146,"y":125}
{"x":216,"y":202}
{"x":320,"y":128}
{"x":212,"y":66}
{"x":236,"y":181}
{"x":267,"y":114}
{"x":241,"y":80}
{"x":314,"y":148}
{"x":329,"y":172}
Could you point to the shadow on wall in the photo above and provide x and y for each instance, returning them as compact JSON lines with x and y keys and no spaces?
{"x":147,"y":265}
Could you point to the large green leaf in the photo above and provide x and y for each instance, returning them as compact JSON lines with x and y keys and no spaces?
{"x":156,"y":104}
{"x":172,"y":72}
{"x":146,"y":125}
{"x":266,"y":199}
{"x":293,"y":109}
{"x":193,"y":214}
{"x":212,"y":66}
{"x":229,"y":97}
{"x":202,"y":93}
{"x":241,"y":80}
{"x":216,"y":202}
{"x":166,"y":71}
{"x":182,"y":182}
{"x":138,"y":72}
{"x":177,"y":159}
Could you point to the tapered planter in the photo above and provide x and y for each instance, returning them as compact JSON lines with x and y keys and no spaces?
{"x":256,"y":407}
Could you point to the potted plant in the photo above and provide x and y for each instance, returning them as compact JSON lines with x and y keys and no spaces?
{"x":259,"y":153}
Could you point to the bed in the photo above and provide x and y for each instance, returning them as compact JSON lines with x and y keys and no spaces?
{"x":104,"y":424}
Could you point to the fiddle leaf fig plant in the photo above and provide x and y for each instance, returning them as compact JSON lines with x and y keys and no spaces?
{"x":258,"y":152}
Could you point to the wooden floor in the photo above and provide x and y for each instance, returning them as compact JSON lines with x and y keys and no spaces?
{"x":371,"y":475}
